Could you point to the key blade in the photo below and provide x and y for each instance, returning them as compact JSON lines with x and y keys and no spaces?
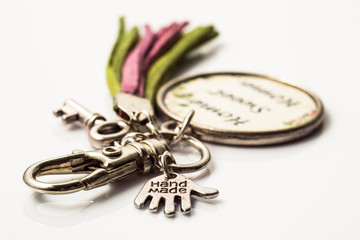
{"x":67,"y":115}
{"x":72,"y":111}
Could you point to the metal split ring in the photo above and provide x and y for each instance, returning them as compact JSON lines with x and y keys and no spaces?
{"x":198,"y":145}
{"x":181,"y":129}
{"x":167,"y":157}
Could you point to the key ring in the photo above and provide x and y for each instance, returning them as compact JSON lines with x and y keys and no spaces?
{"x":165,"y":159}
{"x":181,"y":128}
{"x":105,"y":133}
{"x":198,"y":145}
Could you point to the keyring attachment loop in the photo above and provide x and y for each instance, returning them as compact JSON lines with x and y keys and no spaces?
{"x":167,"y":157}
{"x":198,"y":145}
{"x":105,"y":133}
{"x":137,"y":120}
{"x":180,"y":128}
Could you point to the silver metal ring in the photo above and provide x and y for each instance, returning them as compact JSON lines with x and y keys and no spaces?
{"x":182,"y":128}
{"x":199,"y":146}
{"x":103,"y":134}
{"x":165,"y":158}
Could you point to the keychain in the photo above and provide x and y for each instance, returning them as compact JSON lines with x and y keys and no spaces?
{"x":249,"y":110}
{"x":133,"y":144}
{"x":233,"y":108}
{"x":122,"y":152}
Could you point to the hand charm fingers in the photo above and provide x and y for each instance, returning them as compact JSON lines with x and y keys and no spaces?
{"x":185,"y":204}
{"x":204,"y":192}
{"x":169,"y":209}
{"x":141,"y":199}
{"x":162,"y":187}
{"x":154,"y":204}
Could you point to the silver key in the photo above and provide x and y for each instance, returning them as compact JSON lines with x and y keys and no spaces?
{"x":72,"y":111}
{"x":100,"y":131}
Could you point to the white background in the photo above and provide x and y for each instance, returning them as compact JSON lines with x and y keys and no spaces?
{"x":308,"y":189}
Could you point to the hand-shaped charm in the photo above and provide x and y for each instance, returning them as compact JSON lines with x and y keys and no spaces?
{"x":168,"y":189}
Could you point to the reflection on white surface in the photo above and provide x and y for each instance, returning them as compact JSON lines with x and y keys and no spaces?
{"x":61,"y":208}
{"x":56,"y":211}
{"x":71,"y":209}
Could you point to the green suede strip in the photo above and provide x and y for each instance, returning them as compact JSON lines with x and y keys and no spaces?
{"x":161,"y":70}
{"x":123,"y":45}
{"x":121,"y":33}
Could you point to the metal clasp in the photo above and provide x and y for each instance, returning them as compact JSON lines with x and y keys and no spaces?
{"x":110,"y":164}
{"x":102,"y":166}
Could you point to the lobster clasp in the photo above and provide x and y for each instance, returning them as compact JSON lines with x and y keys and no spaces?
{"x":103,"y":166}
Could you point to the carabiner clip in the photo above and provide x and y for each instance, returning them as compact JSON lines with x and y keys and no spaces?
{"x":112,"y":163}
{"x":73,"y":163}
{"x":102,"y":166}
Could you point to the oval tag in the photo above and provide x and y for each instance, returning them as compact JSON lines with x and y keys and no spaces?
{"x":242,"y":108}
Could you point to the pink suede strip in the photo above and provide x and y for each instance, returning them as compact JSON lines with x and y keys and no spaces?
{"x":163,"y":30}
{"x":145,"y":53}
{"x":165,"y":38}
{"x":133,"y":67}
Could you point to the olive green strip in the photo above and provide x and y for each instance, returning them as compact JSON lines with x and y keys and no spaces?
{"x":161,"y":70}
{"x":111,"y":80}
{"x":123,"y":45}
{"x":121,"y":33}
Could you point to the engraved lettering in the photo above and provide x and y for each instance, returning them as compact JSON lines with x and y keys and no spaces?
{"x":156,"y":190}
{"x":164,"y":184}
{"x":255,"y":108}
{"x":289,"y":102}
{"x":228,"y":117}
{"x":183,"y":184}
{"x":236,"y":121}
{"x":173,"y":187}
{"x":182,"y":190}
{"x":281,"y":99}
{"x":224,"y":114}
{"x":157,"y":184}
{"x":173,"y":184}
{"x":173,"y":190}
